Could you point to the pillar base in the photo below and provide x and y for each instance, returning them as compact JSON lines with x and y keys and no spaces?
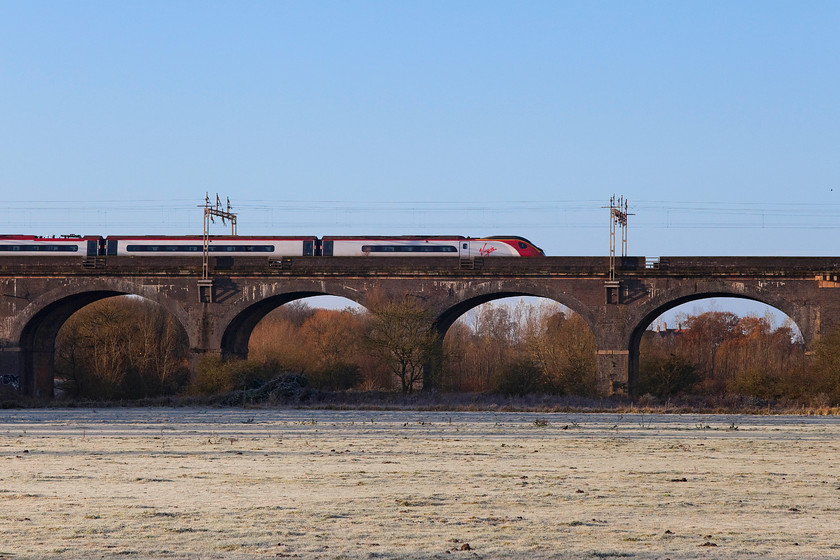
{"x":12,"y":379}
{"x":613,"y":372}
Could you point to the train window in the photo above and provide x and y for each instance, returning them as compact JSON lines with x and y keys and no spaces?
{"x":377,"y":248}
{"x":199,"y":248}
{"x":465,"y":246}
{"x":40,"y":248}
{"x":241,"y":248}
{"x":522,"y":245}
{"x":409,"y":249}
{"x":162,"y":248}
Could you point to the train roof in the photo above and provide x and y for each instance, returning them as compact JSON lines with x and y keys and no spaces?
{"x":217,"y":237}
{"x":48,"y":237}
{"x":393,"y":237}
{"x":502,"y":237}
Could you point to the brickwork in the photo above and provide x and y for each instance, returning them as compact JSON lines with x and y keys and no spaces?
{"x":37,"y":296}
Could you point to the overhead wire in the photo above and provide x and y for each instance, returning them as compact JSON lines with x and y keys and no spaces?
{"x":418,"y":214}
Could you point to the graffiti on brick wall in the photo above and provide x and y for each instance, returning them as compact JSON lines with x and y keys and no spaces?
{"x":10,"y":380}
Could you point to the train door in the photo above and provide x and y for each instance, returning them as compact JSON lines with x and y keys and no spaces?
{"x":327,"y":248}
{"x":464,"y":248}
{"x":308,"y":248}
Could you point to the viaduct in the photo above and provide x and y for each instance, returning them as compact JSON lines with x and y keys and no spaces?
{"x":37,"y":295}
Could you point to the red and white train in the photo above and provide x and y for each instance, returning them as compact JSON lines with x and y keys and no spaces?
{"x":34,"y":246}
{"x":269,"y":246}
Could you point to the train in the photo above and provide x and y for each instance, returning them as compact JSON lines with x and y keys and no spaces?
{"x":268,"y":246}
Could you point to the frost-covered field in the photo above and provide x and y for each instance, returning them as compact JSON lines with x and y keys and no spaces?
{"x":196,"y":483}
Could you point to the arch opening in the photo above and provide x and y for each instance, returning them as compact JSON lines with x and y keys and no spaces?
{"x":516,"y":345}
{"x":717,"y":346}
{"x":448,"y":316}
{"x":102,"y":344}
{"x":310,"y":333}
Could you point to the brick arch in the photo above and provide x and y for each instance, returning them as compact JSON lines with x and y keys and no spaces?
{"x":239,"y":323}
{"x":648,"y":312}
{"x":452,"y":310}
{"x":37,"y":327}
{"x":82,"y":292}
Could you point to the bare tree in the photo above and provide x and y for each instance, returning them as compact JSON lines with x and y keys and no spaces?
{"x":401,"y":335}
{"x":564,"y":349}
{"x":160,"y":354}
{"x":121,"y":347}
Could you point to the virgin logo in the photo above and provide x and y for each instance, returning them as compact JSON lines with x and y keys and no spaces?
{"x":485,"y":251}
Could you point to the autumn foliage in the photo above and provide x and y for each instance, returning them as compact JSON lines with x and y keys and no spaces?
{"x":127,"y":347}
{"x":719,"y":353}
{"x":326,"y":345}
{"x":520,"y":350}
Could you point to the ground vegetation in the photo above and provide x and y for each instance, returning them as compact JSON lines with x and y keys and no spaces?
{"x":129,"y":348}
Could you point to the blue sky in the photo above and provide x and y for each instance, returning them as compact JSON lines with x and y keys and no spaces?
{"x":719,"y":121}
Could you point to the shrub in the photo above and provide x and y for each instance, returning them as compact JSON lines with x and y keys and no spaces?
{"x":666,"y":376}
{"x":215,"y":375}
{"x":337,"y":377}
{"x":756,"y":383}
{"x":518,"y":378}
{"x":825,"y":368}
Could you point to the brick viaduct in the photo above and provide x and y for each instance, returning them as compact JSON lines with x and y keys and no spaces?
{"x":38,"y":295}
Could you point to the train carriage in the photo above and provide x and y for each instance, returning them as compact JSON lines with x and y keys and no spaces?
{"x":219,"y":245}
{"x":403,"y":246}
{"x":430,"y":246}
{"x":35,"y":246}
{"x":511,"y":246}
